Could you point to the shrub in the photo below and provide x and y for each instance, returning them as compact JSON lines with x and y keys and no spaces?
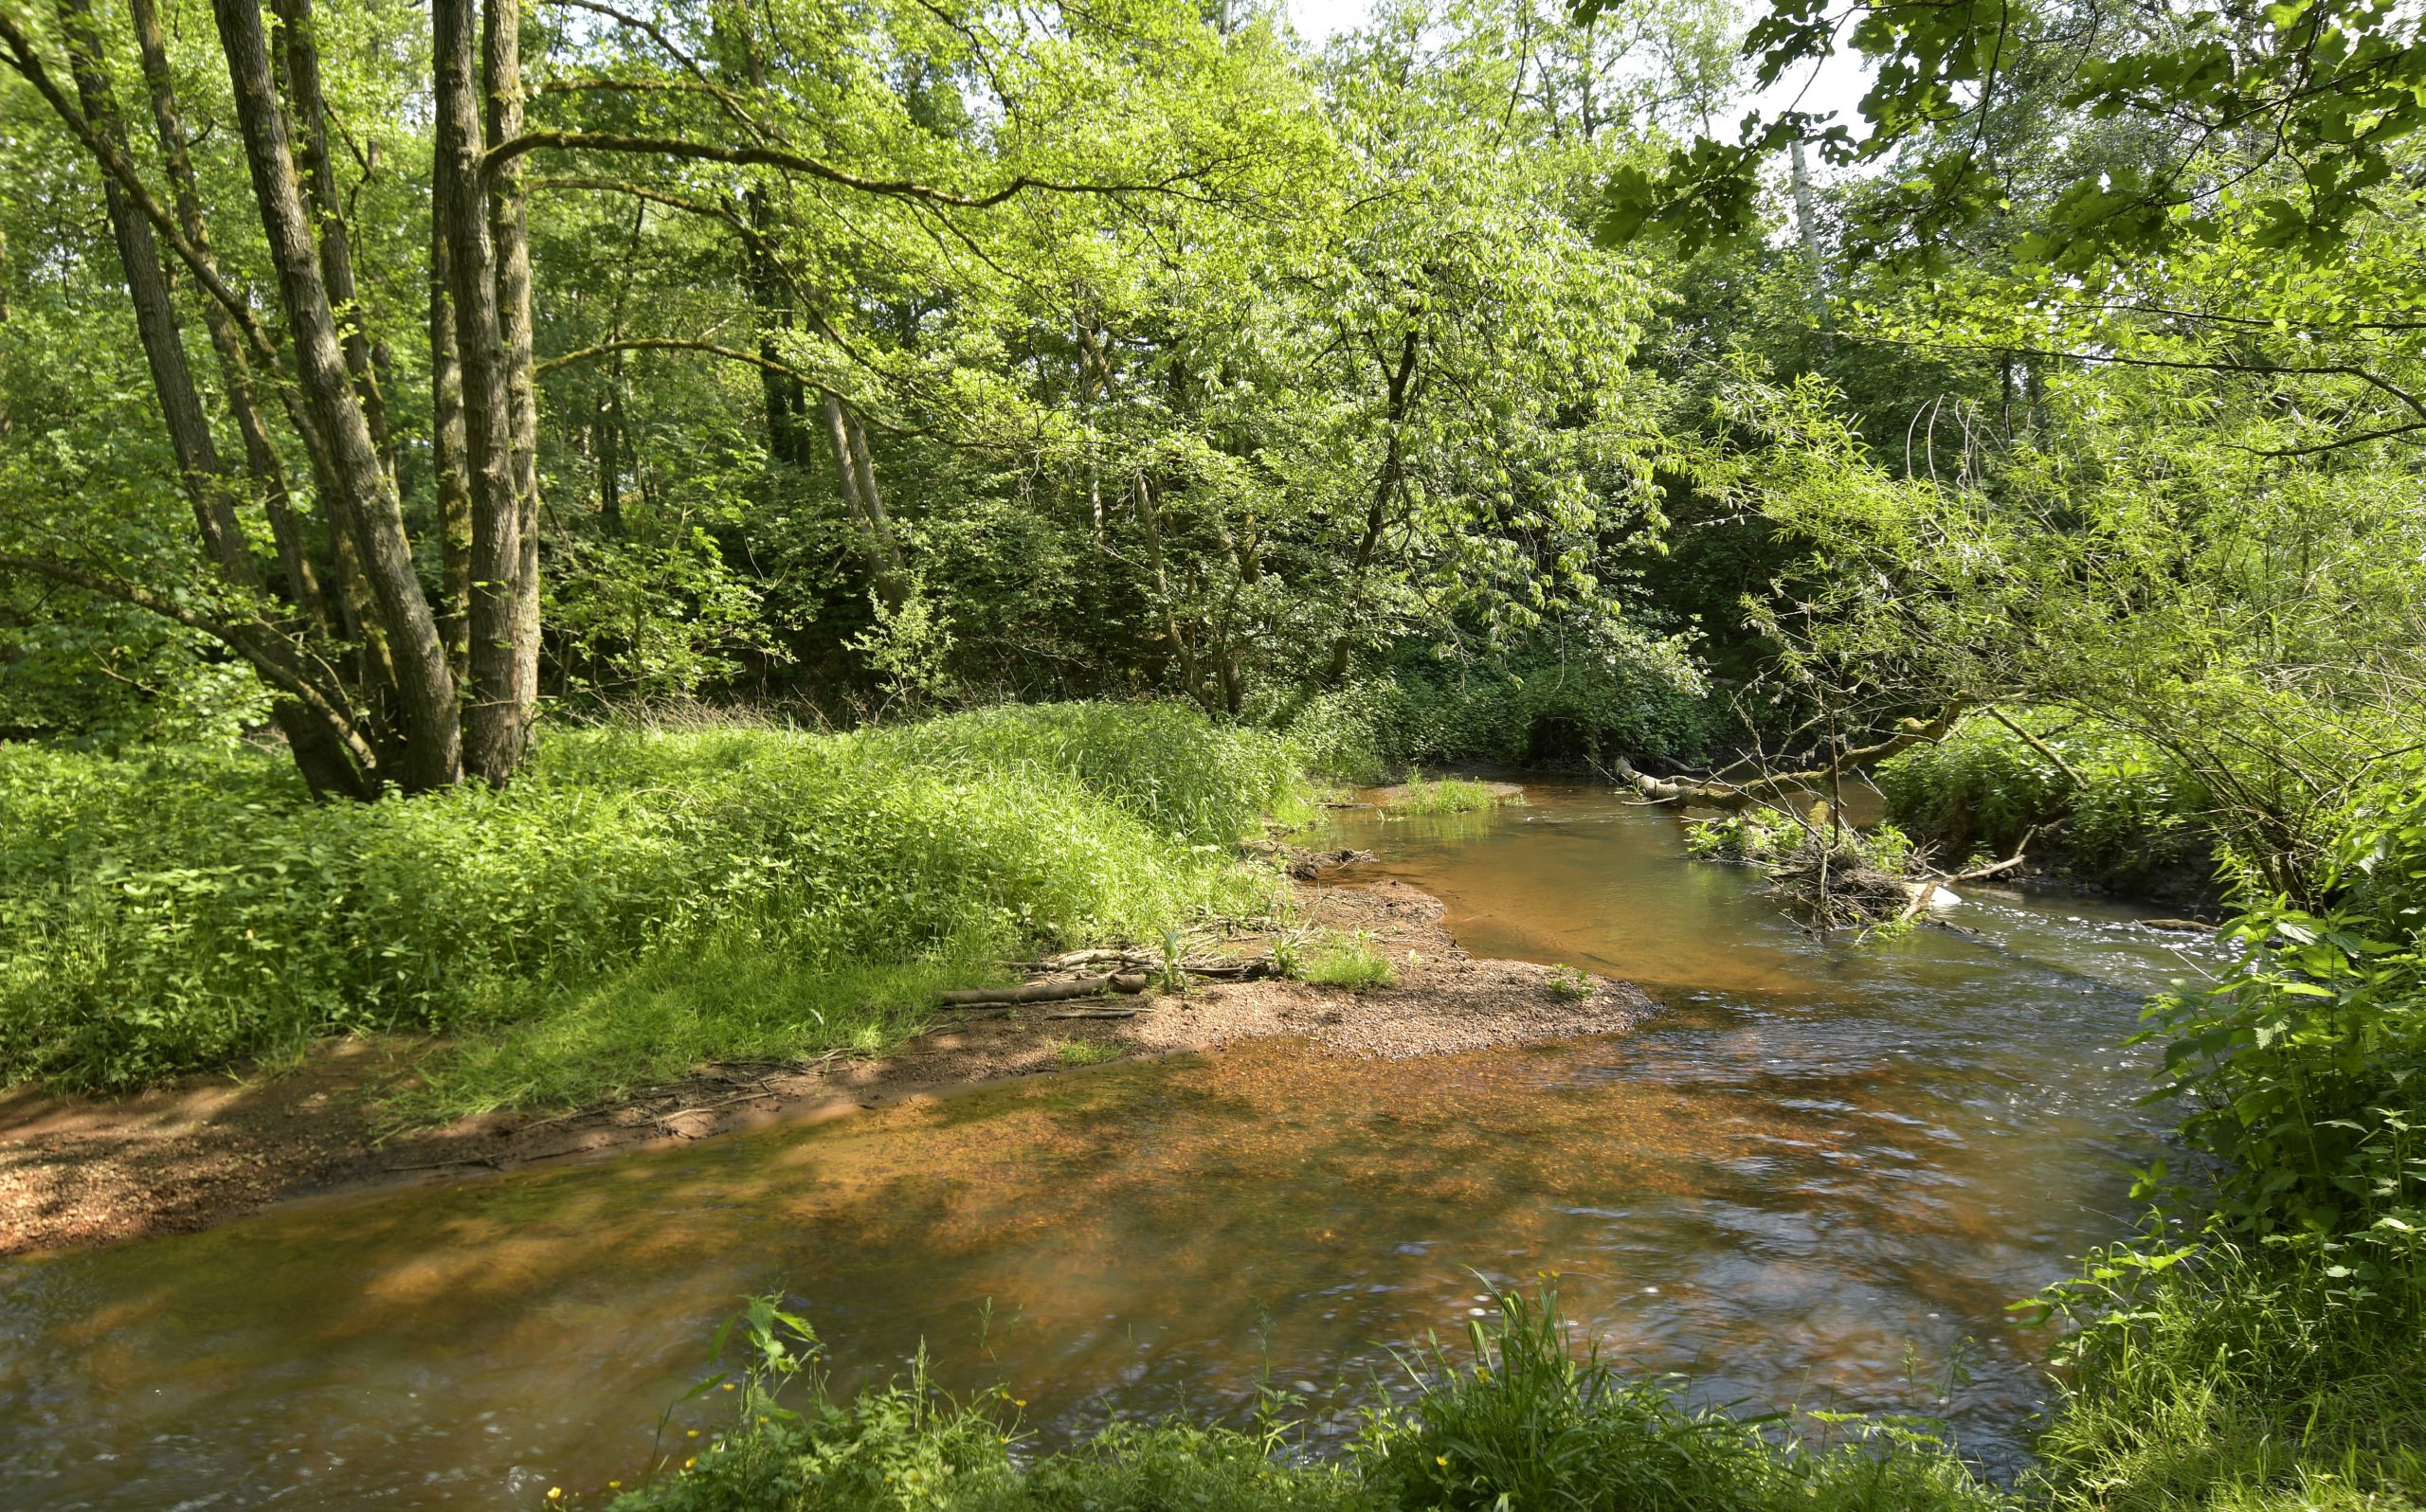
{"x":1525,"y":1424}
{"x":2223,"y":1377}
{"x":1979,"y":791}
{"x":188,"y":910}
{"x":1642,"y":700}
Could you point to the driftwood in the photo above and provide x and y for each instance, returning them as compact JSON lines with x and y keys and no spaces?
{"x":1047,"y":991}
{"x":2186,"y":926}
{"x":1097,"y":1012}
{"x":1305,"y":866}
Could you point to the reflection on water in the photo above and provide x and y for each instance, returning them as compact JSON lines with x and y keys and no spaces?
{"x":1816,"y":1175}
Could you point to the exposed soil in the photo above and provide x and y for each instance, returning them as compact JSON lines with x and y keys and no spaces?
{"x":78,"y":1171}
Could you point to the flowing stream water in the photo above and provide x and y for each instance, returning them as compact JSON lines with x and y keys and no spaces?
{"x":1816,"y":1178}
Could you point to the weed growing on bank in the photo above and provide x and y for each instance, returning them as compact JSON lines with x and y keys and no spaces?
{"x":1350,"y":961}
{"x":1449,"y":795}
{"x":635,"y":903}
{"x":1521,"y":1421}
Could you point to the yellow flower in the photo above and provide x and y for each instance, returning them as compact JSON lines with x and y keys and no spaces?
{"x":728,"y":1385}
{"x":693,"y":1460}
{"x":555,"y":1491}
{"x":614,"y":1486}
{"x":1443,"y":1459}
{"x":1019,"y":1401}
{"x":694,"y":1433}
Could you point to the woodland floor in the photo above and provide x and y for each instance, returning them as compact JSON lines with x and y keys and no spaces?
{"x":83,"y":1171}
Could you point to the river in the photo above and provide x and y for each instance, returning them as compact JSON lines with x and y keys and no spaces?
{"x":1814,"y":1179}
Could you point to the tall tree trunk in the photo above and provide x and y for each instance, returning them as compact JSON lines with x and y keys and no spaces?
{"x":299,"y":52}
{"x":494,"y":724}
{"x":857,"y":471}
{"x":510,"y":226}
{"x":318,"y":739}
{"x":364,"y":501}
{"x":1806,"y":222}
{"x":454,"y":484}
{"x":261,"y":461}
{"x":1392,"y":480}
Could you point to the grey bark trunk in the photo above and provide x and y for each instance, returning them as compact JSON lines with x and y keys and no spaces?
{"x":363,"y":500}
{"x":509,"y":227}
{"x":492,"y":714}
{"x":1807,"y":219}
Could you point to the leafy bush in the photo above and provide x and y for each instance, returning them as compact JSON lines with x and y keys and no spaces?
{"x":1526,"y":1424}
{"x":2277,"y":1359}
{"x":190,"y":909}
{"x":2302,"y":1063}
{"x":1643,"y":701}
{"x":2220,"y":1376}
{"x":1983,"y":787}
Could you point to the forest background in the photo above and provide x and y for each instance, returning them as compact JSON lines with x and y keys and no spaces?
{"x":404,"y":414}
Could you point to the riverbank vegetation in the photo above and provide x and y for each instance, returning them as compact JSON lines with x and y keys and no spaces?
{"x":642,"y":901}
{"x":404,"y":412}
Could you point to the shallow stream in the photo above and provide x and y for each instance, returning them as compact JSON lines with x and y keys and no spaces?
{"x":1818,"y":1177}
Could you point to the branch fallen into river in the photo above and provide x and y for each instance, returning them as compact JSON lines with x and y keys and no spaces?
{"x":1734,"y":797}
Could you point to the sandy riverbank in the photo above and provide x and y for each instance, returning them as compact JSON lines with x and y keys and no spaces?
{"x":83,"y":1171}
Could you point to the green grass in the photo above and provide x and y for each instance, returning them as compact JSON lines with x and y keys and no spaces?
{"x":1449,"y":795}
{"x":635,"y":903}
{"x":1084,"y":1053}
{"x":2239,"y":1380}
{"x":1519,"y":1422}
{"x":1350,"y":961}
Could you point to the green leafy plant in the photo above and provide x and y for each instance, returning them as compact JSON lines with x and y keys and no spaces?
{"x":1351,"y":960}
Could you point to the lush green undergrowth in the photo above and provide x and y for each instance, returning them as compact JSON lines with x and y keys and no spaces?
{"x":636,"y":902}
{"x":1522,"y":1421}
{"x":1644,"y":701}
{"x":2119,"y":810}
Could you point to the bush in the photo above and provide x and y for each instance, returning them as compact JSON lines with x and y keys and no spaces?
{"x":1643,"y":700}
{"x":189,"y":910}
{"x":2227,"y":1378}
{"x":1525,"y":1425}
{"x":1979,"y":791}
{"x":2278,"y":1358}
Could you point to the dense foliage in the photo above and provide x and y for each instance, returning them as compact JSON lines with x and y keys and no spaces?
{"x":640,"y":901}
{"x":1523,"y":1422}
{"x":1450,"y":388}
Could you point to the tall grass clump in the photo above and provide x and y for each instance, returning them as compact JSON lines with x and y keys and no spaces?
{"x":633,"y":898}
{"x":1524,"y":1421}
{"x":1449,"y":795}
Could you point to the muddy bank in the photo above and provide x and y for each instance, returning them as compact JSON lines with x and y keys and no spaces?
{"x":78,"y":1171}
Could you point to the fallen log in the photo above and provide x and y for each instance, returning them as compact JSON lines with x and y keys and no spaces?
{"x":1097,"y":1012}
{"x":1047,"y":991}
